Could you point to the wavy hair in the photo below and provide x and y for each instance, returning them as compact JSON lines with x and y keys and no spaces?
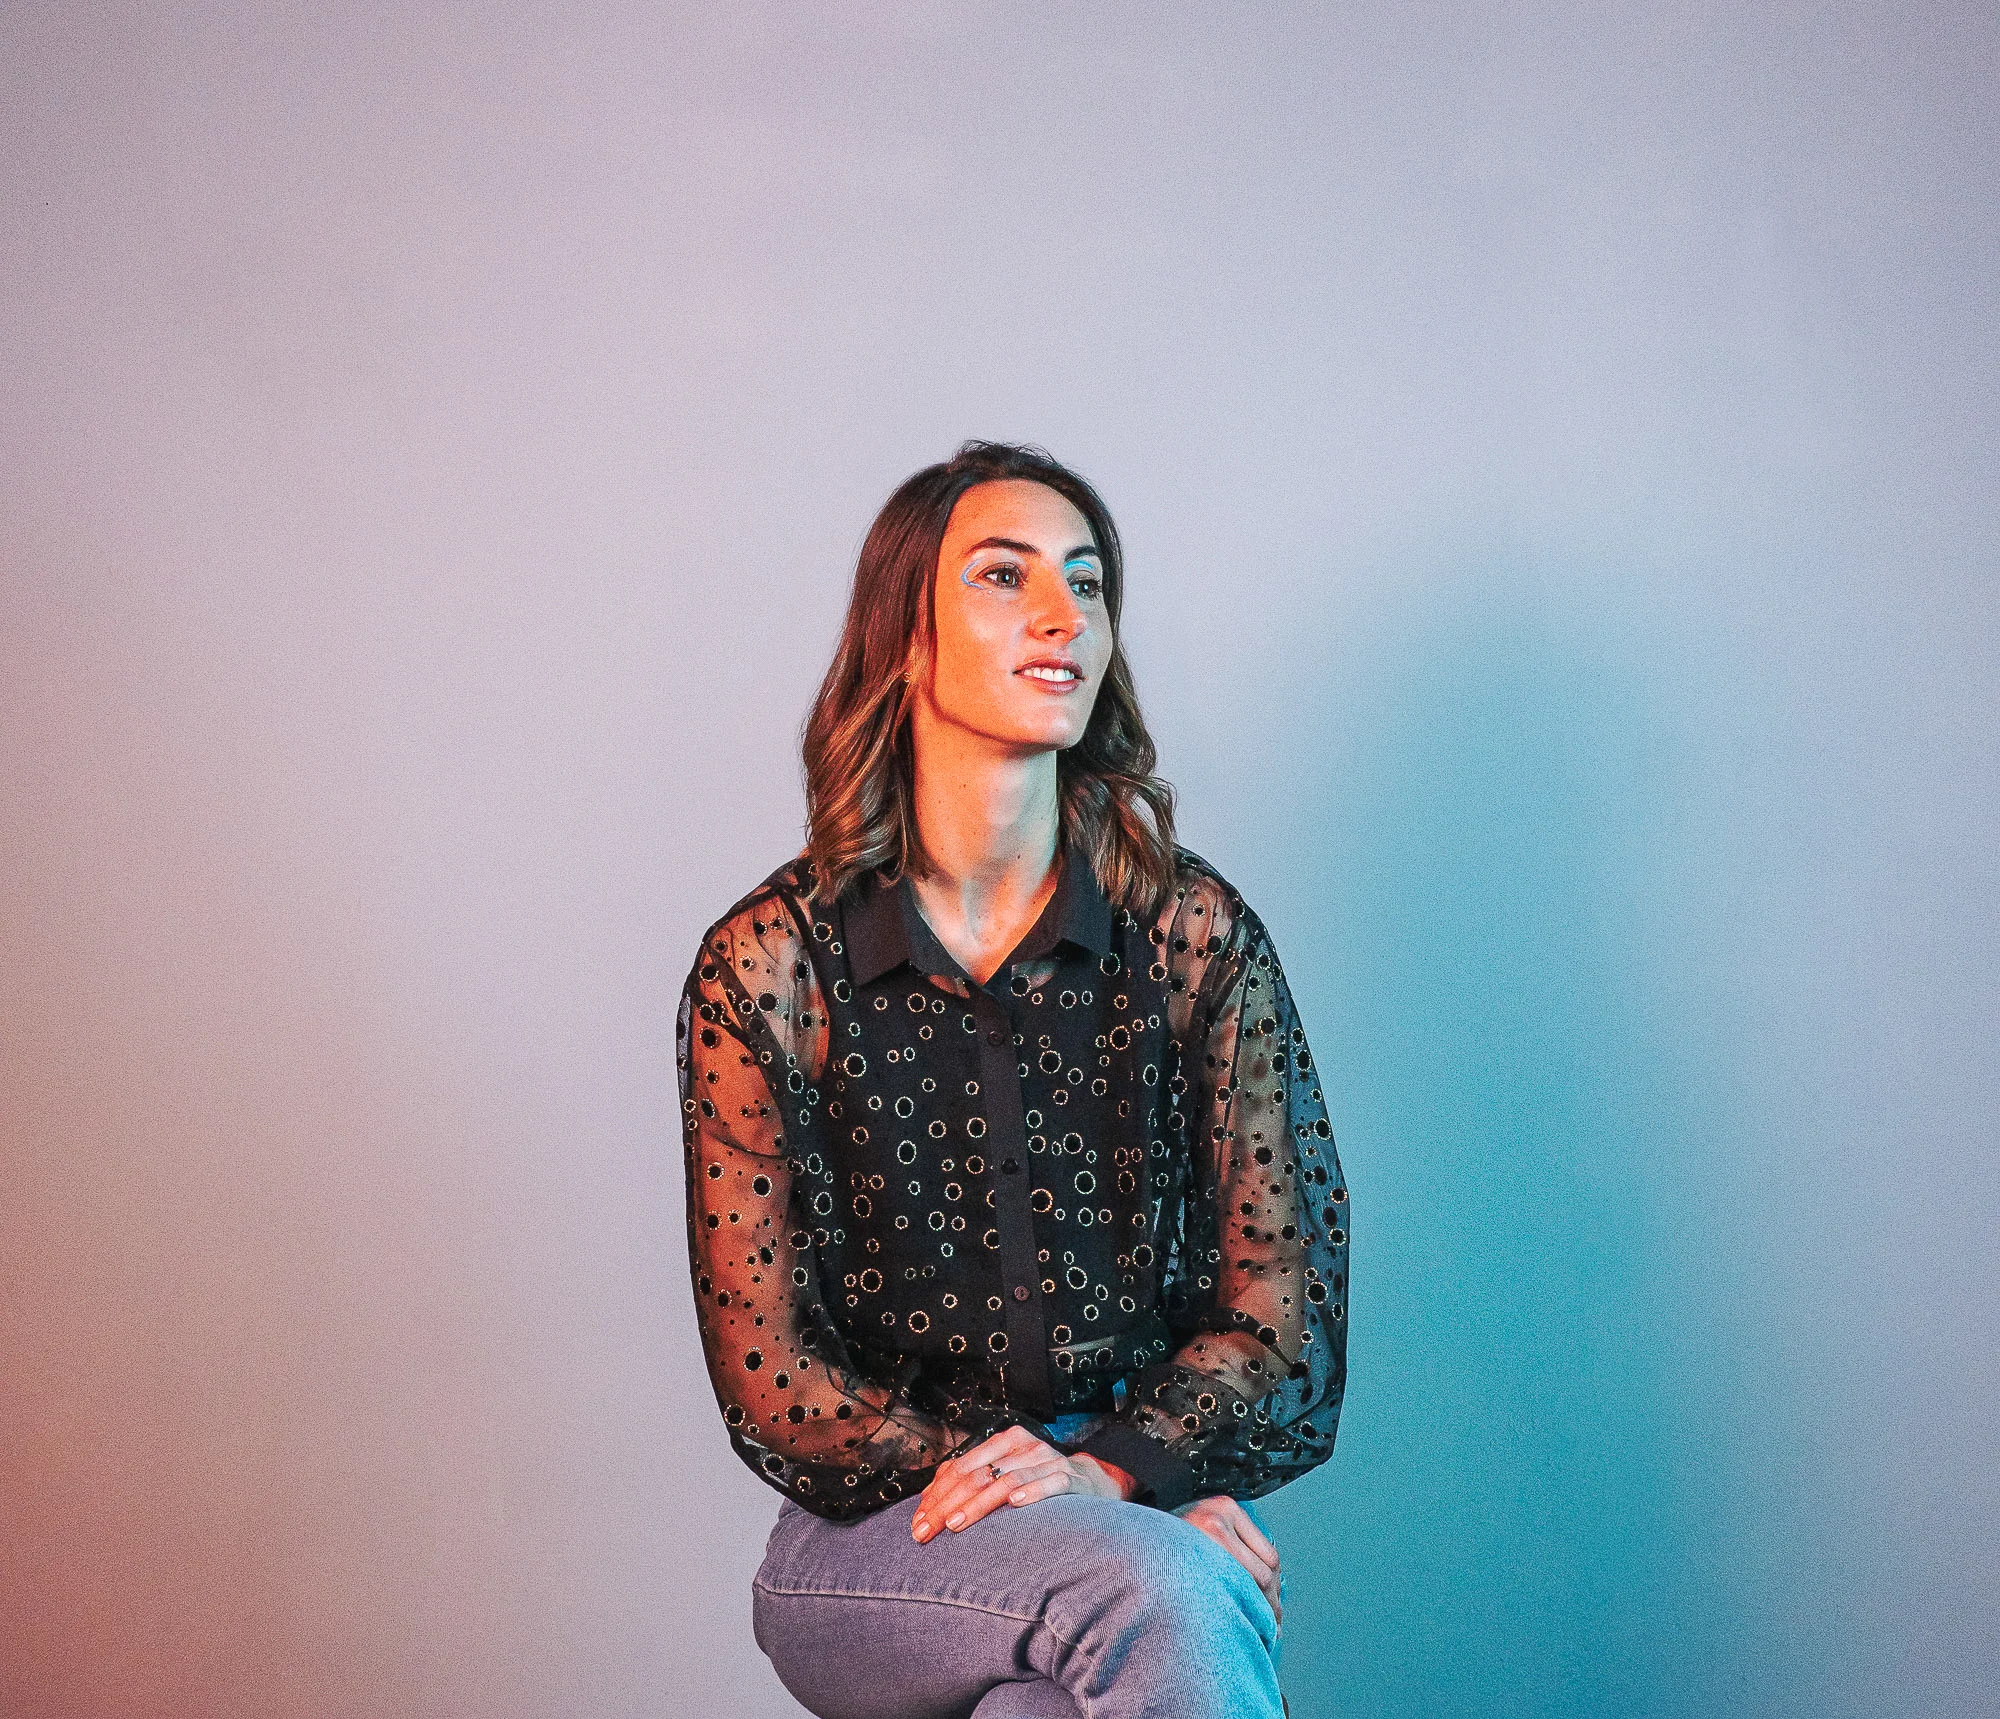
{"x":859,"y":767}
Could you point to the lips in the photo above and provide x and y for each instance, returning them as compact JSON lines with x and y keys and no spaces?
{"x":1054,"y":672}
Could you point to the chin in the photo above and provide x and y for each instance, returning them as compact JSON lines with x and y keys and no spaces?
{"x":1047,"y":739}
{"x":1041,"y":730}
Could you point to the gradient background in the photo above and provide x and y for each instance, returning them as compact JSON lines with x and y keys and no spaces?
{"x":1557,"y":446}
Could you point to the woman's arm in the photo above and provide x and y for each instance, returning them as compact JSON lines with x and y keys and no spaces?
{"x":1259,"y":1282}
{"x":752,"y":1037}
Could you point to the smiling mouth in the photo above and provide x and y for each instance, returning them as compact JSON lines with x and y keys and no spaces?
{"x":1052,"y":674}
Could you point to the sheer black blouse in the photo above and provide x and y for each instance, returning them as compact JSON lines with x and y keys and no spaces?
{"x":921,"y":1209}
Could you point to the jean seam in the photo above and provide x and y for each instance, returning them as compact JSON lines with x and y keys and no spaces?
{"x":1038,"y":1621}
{"x":903,"y":1599}
{"x":1041,"y":1622}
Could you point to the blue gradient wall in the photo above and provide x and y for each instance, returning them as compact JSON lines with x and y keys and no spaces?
{"x":1557,"y":450}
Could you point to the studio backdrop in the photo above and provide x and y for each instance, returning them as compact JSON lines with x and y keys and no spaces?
{"x":1556,"y":446}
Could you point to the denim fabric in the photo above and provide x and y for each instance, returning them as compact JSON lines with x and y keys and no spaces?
{"x":1070,"y":1608}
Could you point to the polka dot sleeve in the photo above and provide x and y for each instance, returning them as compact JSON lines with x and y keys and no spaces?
{"x":1258,"y":1286}
{"x":799,"y":1410}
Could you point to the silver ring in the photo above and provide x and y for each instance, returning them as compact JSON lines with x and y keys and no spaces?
{"x":993,"y":1468}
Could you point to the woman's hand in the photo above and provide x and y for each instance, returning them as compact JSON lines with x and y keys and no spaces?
{"x":1228,"y":1524}
{"x":1012,"y":1467}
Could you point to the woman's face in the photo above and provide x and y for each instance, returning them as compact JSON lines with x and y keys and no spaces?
{"x":1023,"y":636}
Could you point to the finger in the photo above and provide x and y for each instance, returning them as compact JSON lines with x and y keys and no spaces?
{"x":1220,"y":1528}
{"x":1263,"y":1574}
{"x":1008,"y":1452}
{"x":954,"y":1482}
{"x":1006,"y":1449}
{"x":1251,"y":1535}
{"x":1002,"y":1490}
{"x":941,"y":1483}
{"x":971,"y":1478}
{"x":1008,"y":1441}
{"x":1235,"y":1522}
{"x":1260,"y":1558}
{"x":961,"y":1478}
{"x":1051,"y":1482}
{"x":982,"y":1503}
{"x":944,"y":1502}
{"x":1040,"y":1480}
{"x":1266,"y":1579}
{"x":956,"y":1503}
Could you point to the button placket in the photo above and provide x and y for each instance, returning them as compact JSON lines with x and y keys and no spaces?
{"x":1027,"y":1357}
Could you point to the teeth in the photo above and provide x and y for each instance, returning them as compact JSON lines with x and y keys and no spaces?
{"x":1050,"y":673}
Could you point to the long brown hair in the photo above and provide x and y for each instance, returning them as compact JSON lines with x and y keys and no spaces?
{"x":860,"y":772}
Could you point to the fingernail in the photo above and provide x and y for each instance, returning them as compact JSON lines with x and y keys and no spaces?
{"x":922,"y":1527}
{"x":1016,"y":1497}
{"x":954,"y":1521}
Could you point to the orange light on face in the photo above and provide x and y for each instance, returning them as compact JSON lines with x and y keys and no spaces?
{"x":1022,"y":631}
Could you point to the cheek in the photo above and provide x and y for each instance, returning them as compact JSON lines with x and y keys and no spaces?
{"x":968,"y":644}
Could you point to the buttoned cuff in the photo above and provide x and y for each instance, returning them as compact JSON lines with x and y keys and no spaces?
{"x":1165,"y":1481}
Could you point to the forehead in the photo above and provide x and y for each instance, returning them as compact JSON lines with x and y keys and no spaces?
{"x":1021,"y":510}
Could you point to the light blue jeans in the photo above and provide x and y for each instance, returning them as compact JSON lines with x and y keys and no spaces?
{"x":1069,"y":1608}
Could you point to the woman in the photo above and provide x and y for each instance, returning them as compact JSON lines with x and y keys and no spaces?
{"x":1018,"y":1234}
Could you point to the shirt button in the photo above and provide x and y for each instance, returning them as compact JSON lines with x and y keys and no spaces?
{"x":1008,"y":1167}
{"x":1020,"y":1292}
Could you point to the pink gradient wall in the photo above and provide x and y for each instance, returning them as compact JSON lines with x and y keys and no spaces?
{"x":1556,"y":444}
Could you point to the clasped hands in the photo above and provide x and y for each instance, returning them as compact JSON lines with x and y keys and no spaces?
{"x":1015,"y":1468}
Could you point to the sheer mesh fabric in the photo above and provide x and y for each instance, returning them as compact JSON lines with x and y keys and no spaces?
{"x":845,"y":1195}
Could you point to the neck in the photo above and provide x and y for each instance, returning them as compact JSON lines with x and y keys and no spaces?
{"x":988,"y":818}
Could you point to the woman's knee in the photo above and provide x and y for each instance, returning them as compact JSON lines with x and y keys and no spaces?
{"x":1034,"y":1699}
{"x":856,"y":1656}
{"x":1150,"y":1562}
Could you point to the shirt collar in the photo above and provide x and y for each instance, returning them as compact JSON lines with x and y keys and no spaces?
{"x":883,"y":929}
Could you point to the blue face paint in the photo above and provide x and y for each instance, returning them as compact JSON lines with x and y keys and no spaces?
{"x":1087,"y":568}
{"x":974,"y":574}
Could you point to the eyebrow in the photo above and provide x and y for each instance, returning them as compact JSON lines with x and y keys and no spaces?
{"x":1076,"y":554}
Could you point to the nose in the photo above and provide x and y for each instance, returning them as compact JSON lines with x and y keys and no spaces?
{"x":1060,"y":618}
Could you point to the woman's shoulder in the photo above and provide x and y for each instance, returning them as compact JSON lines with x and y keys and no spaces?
{"x":777,"y":910}
{"x":1194,"y":874}
{"x":1203,"y":899}
{"x":1210,"y":913}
